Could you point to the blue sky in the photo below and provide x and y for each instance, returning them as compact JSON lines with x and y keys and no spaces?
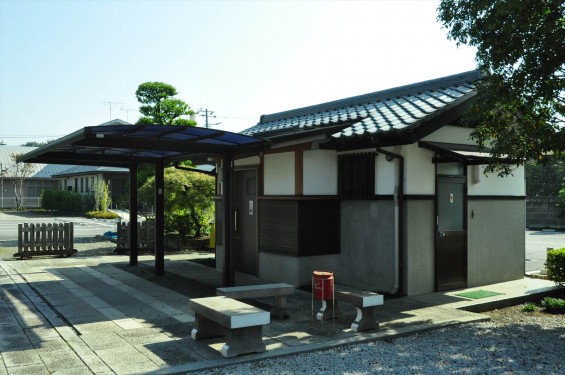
{"x":60,"y":60}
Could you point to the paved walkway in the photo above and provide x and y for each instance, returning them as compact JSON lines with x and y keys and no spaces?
{"x":88,"y":315}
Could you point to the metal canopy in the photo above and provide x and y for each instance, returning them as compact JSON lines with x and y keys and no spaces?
{"x":450,"y":152}
{"x":122,"y":145}
{"x":131,"y":145}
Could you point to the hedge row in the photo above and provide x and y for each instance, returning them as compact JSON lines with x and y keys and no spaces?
{"x":66,"y":201}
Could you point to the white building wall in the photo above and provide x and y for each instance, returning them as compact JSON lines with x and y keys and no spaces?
{"x":247,"y":162}
{"x":492,"y":184}
{"x":419,"y":170}
{"x":279,"y":174}
{"x":320,"y":172}
{"x":451,"y":134}
{"x":386,"y":175}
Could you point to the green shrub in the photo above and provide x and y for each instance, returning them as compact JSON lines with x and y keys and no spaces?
{"x":102,"y":215}
{"x":554,"y":305}
{"x":556,"y":266}
{"x":529,"y":307}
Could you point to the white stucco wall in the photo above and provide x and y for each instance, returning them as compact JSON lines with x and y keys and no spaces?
{"x":491,"y":184}
{"x":279,"y":174}
{"x":386,"y":175}
{"x":246,"y":162}
{"x":419,"y":170}
{"x":320,"y":172}
{"x":451,"y":134}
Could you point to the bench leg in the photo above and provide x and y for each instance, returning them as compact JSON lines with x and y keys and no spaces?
{"x":206,"y":328}
{"x":244,"y":340}
{"x":328,"y":311}
{"x":365,"y":319}
{"x":279,"y":307}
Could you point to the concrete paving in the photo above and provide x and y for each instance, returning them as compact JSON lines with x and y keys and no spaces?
{"x":89,"y":315}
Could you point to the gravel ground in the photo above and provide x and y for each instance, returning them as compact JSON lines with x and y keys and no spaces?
{"x":513,"y":342}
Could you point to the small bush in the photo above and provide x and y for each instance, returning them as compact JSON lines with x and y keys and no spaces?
{"x":554,"y":305}
{"x":555,"y":265}
{"x":529,"y":307}
{"x":102,"y":215}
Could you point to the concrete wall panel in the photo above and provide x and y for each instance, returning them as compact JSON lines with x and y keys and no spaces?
{"x":496,"y":242}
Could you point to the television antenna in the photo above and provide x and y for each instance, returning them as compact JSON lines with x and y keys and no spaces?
{"x":110,"y":104}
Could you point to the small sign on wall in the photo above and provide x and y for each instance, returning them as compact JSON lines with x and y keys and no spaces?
{"x":451,"y":198}
{"x":251,"y":208}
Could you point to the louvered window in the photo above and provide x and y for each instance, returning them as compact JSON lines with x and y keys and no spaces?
{"x":357,"y":176}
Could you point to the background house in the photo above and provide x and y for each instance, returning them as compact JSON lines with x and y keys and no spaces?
{"x":385,"y":189}
{"x":39,"y":180}
{"x":82,"y":178}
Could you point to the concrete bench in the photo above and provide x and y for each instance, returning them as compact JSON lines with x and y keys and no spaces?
{"x":363,"y":301}
{"x":277,"y":291}
{"x":240,"y":323}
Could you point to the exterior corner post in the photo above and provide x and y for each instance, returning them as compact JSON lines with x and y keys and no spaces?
{"x":229,"y":222}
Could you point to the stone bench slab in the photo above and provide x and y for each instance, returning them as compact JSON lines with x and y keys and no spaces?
{"x":278,"y":291}
{"x":240,"y":323}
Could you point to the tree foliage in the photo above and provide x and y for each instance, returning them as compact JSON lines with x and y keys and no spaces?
{"x":544,"y":180}
{"x":160,"y":107}
{"x":519,"y":110}
{"x":189,"y":203}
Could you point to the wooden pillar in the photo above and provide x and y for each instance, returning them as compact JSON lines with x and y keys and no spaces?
{"x":159,"y":218}
{"x":229,"y":235}
{"x":133,"y":240}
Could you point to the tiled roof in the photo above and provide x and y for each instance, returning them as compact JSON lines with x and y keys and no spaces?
{"x":39,"y":170}
{"x":379,"y":112}
{"x":87,"y":169}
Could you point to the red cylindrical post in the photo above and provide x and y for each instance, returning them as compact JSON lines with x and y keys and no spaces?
{"x":323,"y":285}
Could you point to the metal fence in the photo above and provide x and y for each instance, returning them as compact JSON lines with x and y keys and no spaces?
{"x":27,"y":202}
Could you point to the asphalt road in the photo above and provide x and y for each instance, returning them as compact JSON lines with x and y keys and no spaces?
{"x":537,"y":242}
{"x":83,"y":227}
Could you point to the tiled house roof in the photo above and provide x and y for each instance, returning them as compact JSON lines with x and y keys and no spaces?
{"x":385,"y":111}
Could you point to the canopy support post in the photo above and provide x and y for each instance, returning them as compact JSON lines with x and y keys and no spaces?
{"x":159,"y":218}
{"x":133,"y":240}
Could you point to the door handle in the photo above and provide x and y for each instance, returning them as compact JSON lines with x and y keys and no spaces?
{"x":441,"y":234}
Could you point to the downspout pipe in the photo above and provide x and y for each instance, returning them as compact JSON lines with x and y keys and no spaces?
{"x":400,"y":221}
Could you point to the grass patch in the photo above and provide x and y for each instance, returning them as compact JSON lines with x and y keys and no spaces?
{"x":477,"y":294}
{"x":529,"y":307}
{"x":554,"y":305}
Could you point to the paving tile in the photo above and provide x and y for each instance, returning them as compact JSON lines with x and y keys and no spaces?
{"x":20,"y":357}
{"x":35,"y":369}
{"x":169,"y":353}
{"x":103,"y":340}
{"x":126,"y":360}
{"x":46,"y":346}
{"x":14,"y":343}
{"x":105,"y":326}
{"x":60,"y":360}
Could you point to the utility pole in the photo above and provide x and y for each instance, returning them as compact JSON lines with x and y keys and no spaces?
{"x":109,"y":104}
{"x":207,"y":114}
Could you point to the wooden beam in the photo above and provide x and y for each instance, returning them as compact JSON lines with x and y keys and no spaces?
{"x":298,"y":172}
